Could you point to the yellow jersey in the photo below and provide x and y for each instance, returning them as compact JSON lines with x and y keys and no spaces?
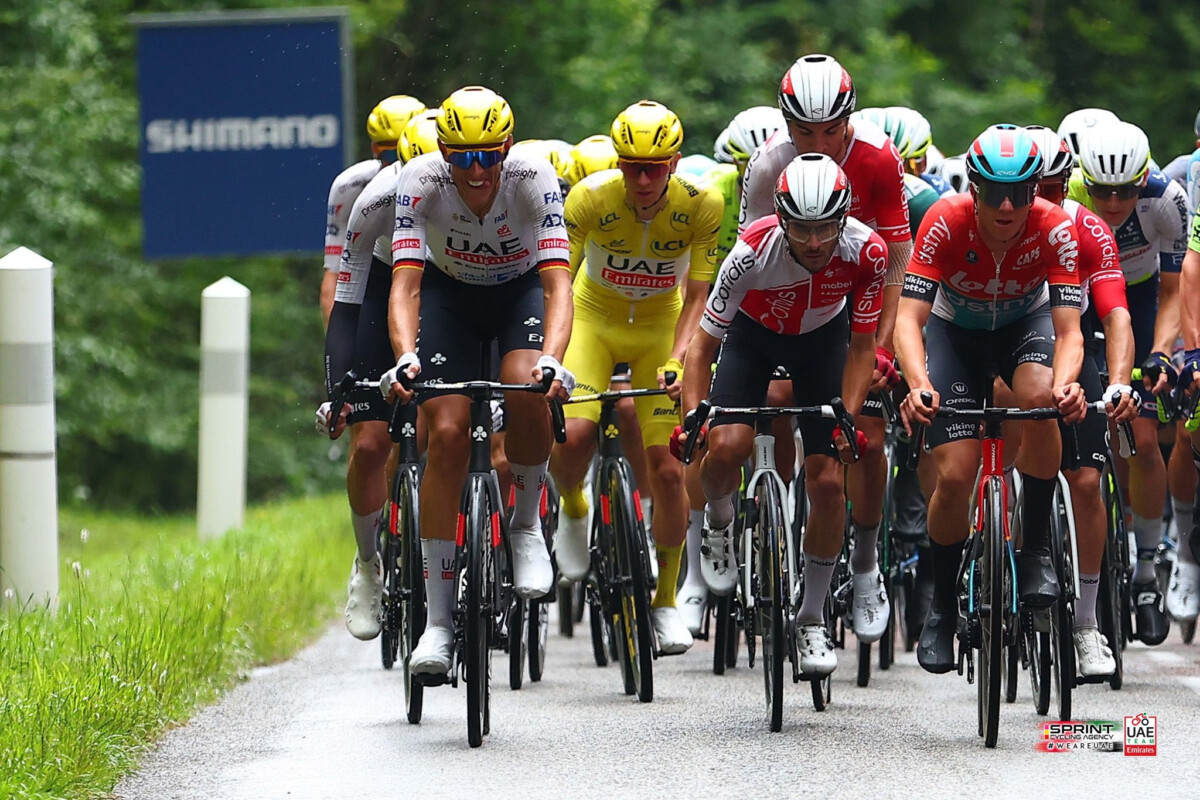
{"x":629,"y":264}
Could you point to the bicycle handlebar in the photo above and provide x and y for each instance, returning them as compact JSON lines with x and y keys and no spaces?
{"x":835,"y":410}
{"x":337,"y":399}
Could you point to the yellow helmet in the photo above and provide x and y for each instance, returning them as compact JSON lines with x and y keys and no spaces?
{"x":593,"y":154}
{"x":474,"y":116}
{"x":560,"y":157}
{"x":419,"y":136}
{"x":647,"y":130}
{"x":387,"y":120}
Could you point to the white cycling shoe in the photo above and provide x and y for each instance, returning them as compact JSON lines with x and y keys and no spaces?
{"x":1092,"y":653}
{"x":816,"y":651}
{"x":571,"y":547}
{"x":691,"y":600}
{"x":673,"y":635}
{"x":718,"y":559}
{"x":431,"y":656}
{"x":871,"y":607}
{"x":364,"y":598}
{"x":1183,"y":601}
{"x":533,"y":574}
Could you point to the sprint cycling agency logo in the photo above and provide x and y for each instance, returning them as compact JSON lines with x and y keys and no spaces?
{"x":1136,"y":736}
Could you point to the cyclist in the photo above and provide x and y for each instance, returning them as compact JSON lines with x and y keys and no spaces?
{"x":1074,"y":126}
{"x":1189,"y":374}
{"x":384,"y":124}
{"x":1148,"y":215}
{"x":365,"y":413}
{"x":638,"y":236}
{"x":912,"y":134}
{"x":802,"y":288}
{"x":593,"y":154}
{"x":1103,"y":286}
{"x":480,"y":254}
{"x":817,"y":97}
{"x":994,"y":282}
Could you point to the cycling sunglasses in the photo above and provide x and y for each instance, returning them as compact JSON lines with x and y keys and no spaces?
{"x":994,"y":194}
{"x":825,"y":232}
{"x":1054,"y":191}
{"x":653,"y":169}
{"x":463,"y":159}
{"x":1122,"y":191}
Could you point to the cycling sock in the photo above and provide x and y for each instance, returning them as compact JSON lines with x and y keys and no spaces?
{"x":945,"y":560}
{"x":817,"y":572}
{"x":1039,"y":493}
{"x":366,"y":530}
{"x":695,"y":528}
{"x":1085,"y":607}
{"x":1149,"y":532}
{"x":439,"y":581}
{"x":528,"y":481}
{"x":647,"y":507}
{"x":1183,"y":529}
{"x":863,"y":558}
{"x":720,"y":511}
{"x":669,"y":559}
{"x":574,"y":502}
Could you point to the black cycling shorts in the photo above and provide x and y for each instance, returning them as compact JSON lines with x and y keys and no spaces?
{"x":373,"y":347}
{"x":1142,"y":298}
{"x":815,"y":361}
{"x":962,"y":364}
{"x":459,"y":320}
{"x":1090,"y":434}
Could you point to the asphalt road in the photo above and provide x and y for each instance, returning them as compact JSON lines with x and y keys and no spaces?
{"x":330,"y":724}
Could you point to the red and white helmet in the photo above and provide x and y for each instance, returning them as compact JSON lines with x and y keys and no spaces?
{"x":1056,"y":156}
{"x":813,"y":188}
{"x":816,"y":89}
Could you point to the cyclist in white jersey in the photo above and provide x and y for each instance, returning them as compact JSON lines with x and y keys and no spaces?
{"x":1148,"y":215}
{"x":369,"y":445}
{"x":480,"y":253}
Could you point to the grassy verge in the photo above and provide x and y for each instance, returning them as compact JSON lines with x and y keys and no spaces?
{"x":152,"y":622}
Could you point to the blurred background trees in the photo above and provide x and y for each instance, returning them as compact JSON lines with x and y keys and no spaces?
{"x":128,"y":330}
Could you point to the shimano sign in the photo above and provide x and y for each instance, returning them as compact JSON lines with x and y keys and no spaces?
{"x":244,"y":125}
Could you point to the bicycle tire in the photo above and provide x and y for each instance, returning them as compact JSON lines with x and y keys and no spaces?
{"x":822,"y":690}
{"x":1041,"y":667}
{"x":389,"y":600}
{"x":412,"y":611}
{"x":993,"y":571}
{"x":535,"y":646}
{"x":481,"y":523}
{"x":633,"y":626}
{"x":726,"y":627}
{"x":1108,"y":614}
{"x":1062,"y":613}
{"x":863,"y":678}
{"x":565,"y":598}
{"x":599,"y":633}
{"x":515,"y":624}
{"x":774,"y":600}
{"x":1012,"y":660}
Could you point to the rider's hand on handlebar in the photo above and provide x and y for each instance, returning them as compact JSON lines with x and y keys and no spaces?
{"x":408,"y":365}
{"x":884,"y":374}
{"x":324,"y":412}
{"x":564,"y":379}
{"x":915,"y":409}
{"x":1122,"y":402}
{"x":679,"y":437}
{"x":674,"y":388}
{"x":845,"y":453}
{"x":1070,"y":402}
{"x":1158,"y":372}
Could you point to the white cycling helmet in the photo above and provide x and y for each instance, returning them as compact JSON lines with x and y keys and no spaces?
{"x":750,"y":129}
{"x":812,"y":188}
{"x":1074,"y":125}
{"x":696,"y":164}
{"x":721,"y":153}
{"x":934,"y":159}
{"x":910,"y":131}
{"x":954,"y":170}
{"x":1056,"y":156}
{"x":816,"y":89}
{"x":1114,"y":153}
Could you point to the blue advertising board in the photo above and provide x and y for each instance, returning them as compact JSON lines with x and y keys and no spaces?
{"x":244,"y":125}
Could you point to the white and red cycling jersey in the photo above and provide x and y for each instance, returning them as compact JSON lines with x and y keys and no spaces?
{"x":760,"y":279}
{"x":368,"y":234}
{"x":1100,"y":277}
{"x":523,"y":229}
{"x":344,"y":190}
{"x":872,"y":164}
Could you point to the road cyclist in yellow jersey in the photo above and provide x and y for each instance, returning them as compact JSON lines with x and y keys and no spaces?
{"x":638,"y":235}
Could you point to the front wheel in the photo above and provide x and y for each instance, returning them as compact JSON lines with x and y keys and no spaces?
{"x":992,"y":573}
{"x":539,"y":623}
{"x":409,"y":602}
{"x":481,"y":530}
{"x":630,"y":586}
{"x":775,"y":594}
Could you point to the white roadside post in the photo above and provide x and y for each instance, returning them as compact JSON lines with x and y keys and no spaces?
{"x":28,"y":464}
{"x":224,"y":407}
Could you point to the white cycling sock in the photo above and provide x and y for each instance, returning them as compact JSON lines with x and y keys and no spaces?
{"x":720,"y":511}
{"x":366,"y":533}
{"x":694,"y":532}
{"x":863,"y":558}
{"x":1085,"y":607}
{"x":528,"y":481}
{"x":439,"y":582}
{"x":647,"y":509}
{"x":1148,"y":532}
{"x":817,"y":573}
{"x":1183,"y":529}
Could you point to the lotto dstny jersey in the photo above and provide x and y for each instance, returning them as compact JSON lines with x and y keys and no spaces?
{"x":1100,"y":278}
{"x":368,"y":234}
{"x":342,"y":193}
{"x":523,"y":229}
{"x":761,"y":280}
{"x":969,"y":287}
{"x":1154,"y":236}
{"x":871,"y":163}
{"x":629,"y":264}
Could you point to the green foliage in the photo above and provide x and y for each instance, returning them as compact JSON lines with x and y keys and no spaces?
{"x":151,"y":623}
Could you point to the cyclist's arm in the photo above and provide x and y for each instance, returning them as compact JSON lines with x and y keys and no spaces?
{"x":404,"y":309}
{"x":696,"y":372}
{"x":1189,"y":285}
{"x":328,"y":290}
{"x":1118,"y":345}
{"x":577,"y":212}
{"x":560,"y":310}
{"x":1068,"y":345}
{"x":1172,"y":224}
{"x":856,"y":377}
{"x":1166,"y":324}
{"x":689,"y":317}
{"x":703,"y":265}
{"x":894,"y":225}
{"x":911,"y":315}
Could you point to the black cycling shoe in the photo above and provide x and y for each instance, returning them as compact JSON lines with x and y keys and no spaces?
{"x":935,"y":650}
{"x":1036,"y":580}
{"x":1152,"y":623}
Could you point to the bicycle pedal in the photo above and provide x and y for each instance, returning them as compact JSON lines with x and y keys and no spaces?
{"x":1081,"y":679}
{"x":431,"y":680}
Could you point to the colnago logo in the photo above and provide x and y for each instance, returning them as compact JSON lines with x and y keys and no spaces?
{"x":242,"y":133}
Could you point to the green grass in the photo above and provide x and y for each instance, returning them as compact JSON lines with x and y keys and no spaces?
{"x":152,"y":622}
